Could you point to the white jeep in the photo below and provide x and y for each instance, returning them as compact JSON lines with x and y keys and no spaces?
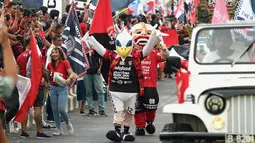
{"x":219,"y":103}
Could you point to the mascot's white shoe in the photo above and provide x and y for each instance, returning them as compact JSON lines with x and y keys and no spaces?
{"x":128,"y":137}
{"x":114,"y":136}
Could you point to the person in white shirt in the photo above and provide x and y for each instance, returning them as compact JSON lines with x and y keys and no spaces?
{"x":226,"y":50}
{"x":56,"y":42}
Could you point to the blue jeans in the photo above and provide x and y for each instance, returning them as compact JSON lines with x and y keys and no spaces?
{"x":58,"y":103}
{"x":49,"y":110}
{"x":81,"y":91}
{"x":89,"y":79}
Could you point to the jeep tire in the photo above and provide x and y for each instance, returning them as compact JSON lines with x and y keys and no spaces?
{"x":177,"y":127}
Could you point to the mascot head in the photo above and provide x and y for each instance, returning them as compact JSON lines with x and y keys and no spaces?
{"x":124,"y":44}
{"x":141,"y":33}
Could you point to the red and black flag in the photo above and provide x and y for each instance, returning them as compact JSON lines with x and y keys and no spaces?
{"x":102,"y":29}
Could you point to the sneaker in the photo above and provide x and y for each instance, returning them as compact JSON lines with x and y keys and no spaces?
{"x":82,"y":112}
{"x":24,"y":135}
{"x":42,"y":136}
{"x":48,"y":126}
{"x":173,"y":76}
{"x":70,"y":128}
{"x":128,"y":137}
{"x":58,"y":132}
{"x":91,"y":113}
{"x":50,"y":121}
{"x":102,"y":113}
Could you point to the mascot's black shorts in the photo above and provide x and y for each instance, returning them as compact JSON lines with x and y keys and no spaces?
{"x":149,"y":101}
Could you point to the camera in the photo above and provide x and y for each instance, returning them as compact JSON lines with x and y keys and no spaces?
{"x":7,"y":17}
{"x":19,"y":37}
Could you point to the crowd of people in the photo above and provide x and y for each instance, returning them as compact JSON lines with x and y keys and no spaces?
{"x":16,"y":26}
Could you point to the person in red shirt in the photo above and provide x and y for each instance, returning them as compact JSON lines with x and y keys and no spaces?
{"x":147,"y":104}
{"x":22,"y":62}
{"x":83,"y":19}
{"x":61,"y":75}
{"x":23,"y":58}
{"x":12,"y":9}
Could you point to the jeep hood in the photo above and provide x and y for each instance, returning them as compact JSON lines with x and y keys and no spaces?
{"x":201,"y":83}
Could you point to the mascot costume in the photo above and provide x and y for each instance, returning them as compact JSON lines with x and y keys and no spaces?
{"x":147,"y":104}
{"x":125,"y":76}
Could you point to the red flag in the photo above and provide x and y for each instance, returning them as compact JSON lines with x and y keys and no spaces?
{"x":193,"y":11}
{"x":220,"y":14}
{"x":24,"y":89}
{"x":172,"y":38}
{"x":151,"y":3}
{"x":36,"y":70}
{"x":41,"y":33}
{"x":179,"y":9}
{"x":102,"y":21}
{"x":36,"y":76}
{"x":151,"y":6}
{"x":130,"y":11}
{"x":182,"y":83}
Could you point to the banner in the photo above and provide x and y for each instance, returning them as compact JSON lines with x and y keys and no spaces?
{"x":72,"y":45}
{"x":244,"y":11}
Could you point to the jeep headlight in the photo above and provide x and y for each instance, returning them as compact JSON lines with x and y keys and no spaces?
{"x":215,"y":104}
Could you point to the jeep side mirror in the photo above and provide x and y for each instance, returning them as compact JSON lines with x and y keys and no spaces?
{"x":173,"y":64}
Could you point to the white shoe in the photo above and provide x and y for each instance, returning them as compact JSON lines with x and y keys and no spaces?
{"x":70,"y":128}
{"x":173,"y":76}
{"x":58,"y":132}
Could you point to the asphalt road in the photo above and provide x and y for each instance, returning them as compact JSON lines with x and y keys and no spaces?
{"x":94,"y":129}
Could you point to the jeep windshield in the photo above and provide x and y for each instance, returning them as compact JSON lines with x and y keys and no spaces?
{"x":225,"y":46}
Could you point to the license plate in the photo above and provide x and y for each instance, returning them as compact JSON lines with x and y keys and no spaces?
{"x":239,"y":138}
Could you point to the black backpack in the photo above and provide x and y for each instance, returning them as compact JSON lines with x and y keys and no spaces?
{"x":94,"y":63}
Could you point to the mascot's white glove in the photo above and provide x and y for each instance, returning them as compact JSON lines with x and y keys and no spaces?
{"x":151,"y":43}
{"x":96,"y":45}
{"x":59,"y":79}
{"x":160,"y":35}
